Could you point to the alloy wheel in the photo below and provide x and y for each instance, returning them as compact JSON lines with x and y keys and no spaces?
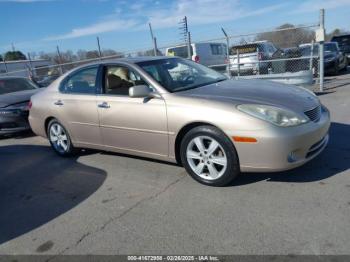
{"x":206,"y":157}
{"x":58,"y":138}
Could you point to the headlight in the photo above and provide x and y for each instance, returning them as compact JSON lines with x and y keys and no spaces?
{"x":277,"y":116}
{"x":329,"y":59}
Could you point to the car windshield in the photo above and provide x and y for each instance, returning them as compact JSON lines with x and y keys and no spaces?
{"x":15,"y":84}
{"x":180,"y":51}
{"x":176,"y":74}
{"x":306,"y":50}
{"x":330,"y":47}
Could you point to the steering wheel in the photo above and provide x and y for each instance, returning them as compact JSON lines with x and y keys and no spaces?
{"x":189,"y":78}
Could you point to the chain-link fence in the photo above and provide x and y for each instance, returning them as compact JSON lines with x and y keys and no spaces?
{"x":287,"y":54}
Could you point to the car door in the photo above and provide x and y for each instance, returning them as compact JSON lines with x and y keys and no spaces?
{"x":76,"y":105}
{"x":136,"y":125}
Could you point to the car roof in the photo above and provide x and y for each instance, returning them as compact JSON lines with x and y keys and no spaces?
{"x":134,"y":60}
{"x":12,"y":77}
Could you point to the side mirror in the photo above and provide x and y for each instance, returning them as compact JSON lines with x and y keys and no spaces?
{"x":140,"y":91}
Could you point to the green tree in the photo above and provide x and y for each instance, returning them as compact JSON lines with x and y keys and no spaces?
{"x":1,"y":58}
{"x":15,"y":55}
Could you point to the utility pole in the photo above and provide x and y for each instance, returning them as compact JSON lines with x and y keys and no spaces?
{"x":227,"y":52}
{"x":186,"y":36}
{"x":99,"y":47}
{"x":13,"y":47}
{"x":154,"y":40}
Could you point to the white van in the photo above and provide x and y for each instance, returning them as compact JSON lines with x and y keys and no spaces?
{"x":210,"y":54}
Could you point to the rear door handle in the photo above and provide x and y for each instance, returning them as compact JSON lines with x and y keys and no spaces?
{"x":104,"y":105}
{"x":59,"y":103}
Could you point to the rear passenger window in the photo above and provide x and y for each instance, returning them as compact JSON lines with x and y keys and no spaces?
{"x":216,"y":49}
{"x":82,"y":82}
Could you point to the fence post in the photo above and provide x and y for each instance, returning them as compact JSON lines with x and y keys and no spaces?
{"x":60,"y":60}
{"x":238,"y":65}
{"x":30,"y":65}
{"x":189,"y":45}
{"x":321,"y":51}
{"x":155,"y":46}
{"x":311,"y":55}
{"x":99,"y":47}
{"x":154,"y":40}
{"x":227,"y":53}
{"x":5,"y":65}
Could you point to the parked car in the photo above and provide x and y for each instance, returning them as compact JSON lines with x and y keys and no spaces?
{"x":311,"y":54}
{"x":209,"y":54}
{"x":344,"y":44}
{"x":334,"y":59}
{"x":15,"y":93}
{"x":177,"y":110}
{"x":251,"y":58}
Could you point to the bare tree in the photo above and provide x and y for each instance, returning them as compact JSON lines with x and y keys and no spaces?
{"x":287,"y":35}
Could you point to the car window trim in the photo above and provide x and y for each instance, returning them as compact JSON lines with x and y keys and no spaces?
{"x":70,"y":75}
{"x":103,"y":79}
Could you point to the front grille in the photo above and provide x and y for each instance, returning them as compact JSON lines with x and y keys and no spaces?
{"x":314,"y":114}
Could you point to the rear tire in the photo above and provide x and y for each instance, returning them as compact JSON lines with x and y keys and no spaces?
{"x":209,"y":156}
{"x":59,"y":139}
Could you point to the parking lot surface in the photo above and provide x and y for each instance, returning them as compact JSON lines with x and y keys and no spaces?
{"x":105,"y":203}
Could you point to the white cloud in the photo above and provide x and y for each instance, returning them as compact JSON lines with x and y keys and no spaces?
{"x":136,"y":16}
{"x":204,"y":12}
{"x":314,"y":5}
{"x":94,"y":29}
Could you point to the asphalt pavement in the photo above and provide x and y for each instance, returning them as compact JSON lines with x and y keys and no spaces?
{"x":106,"y":203}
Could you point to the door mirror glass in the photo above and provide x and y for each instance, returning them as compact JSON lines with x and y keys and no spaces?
{"x":140,"y":91}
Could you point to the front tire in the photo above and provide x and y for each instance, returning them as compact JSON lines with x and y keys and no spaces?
{"x":59,"y":138}
{"x":209,"y":156}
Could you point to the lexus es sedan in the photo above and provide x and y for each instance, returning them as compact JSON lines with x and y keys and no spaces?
{"x":15,"y":93}
{"x":177,"y":110}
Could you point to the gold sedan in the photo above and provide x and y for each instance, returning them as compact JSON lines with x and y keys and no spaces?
{"x":176,"y":110}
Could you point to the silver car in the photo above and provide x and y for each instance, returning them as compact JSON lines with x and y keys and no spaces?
{"x":177,"y":110}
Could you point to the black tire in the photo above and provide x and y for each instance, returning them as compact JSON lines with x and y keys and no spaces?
{"x":232,"y":164}
{"x":336,"y":69}
{"x":70,"y":149}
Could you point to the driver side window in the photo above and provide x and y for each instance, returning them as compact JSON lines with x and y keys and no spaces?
{"x":118,"y":80}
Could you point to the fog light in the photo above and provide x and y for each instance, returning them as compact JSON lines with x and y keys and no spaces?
{"x":292,"y":157}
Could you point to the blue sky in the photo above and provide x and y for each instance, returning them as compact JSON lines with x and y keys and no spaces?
{"x":40,"y":25}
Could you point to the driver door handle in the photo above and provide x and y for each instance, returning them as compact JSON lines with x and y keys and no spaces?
{"x":59,"y":103}
{"x":104,"y":105}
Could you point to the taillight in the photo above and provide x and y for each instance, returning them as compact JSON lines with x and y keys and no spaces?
{"x":196,"y":59}
{"x":30,"y":105}
{"x":260,"y":56}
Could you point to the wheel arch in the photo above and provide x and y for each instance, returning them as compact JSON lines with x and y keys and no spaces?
{"x":46,"y":123}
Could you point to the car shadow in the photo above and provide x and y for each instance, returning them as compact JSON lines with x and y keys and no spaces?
{"x":332,"y":161}
{"x":37,"y":186}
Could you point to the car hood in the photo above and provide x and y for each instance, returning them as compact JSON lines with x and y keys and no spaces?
{"x":257,"y":92}
{"x":16,"y":97}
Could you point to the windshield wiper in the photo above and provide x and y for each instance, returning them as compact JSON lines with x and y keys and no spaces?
{"x":199,"y":85}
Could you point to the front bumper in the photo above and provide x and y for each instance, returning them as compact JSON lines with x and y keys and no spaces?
{"x":279,"y":149}
{"x":14,"y":122}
